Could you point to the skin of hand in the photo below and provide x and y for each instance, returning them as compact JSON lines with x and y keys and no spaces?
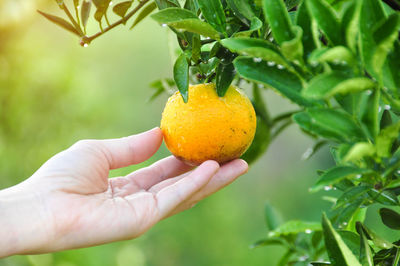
{"x":70,"y":202}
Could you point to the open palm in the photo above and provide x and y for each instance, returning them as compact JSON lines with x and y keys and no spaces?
{"x":78,"y":205}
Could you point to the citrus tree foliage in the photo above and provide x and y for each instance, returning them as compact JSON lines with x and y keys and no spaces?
{"x":338,"y":61}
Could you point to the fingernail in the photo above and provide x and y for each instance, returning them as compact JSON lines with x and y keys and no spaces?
{"x":245,"y":165}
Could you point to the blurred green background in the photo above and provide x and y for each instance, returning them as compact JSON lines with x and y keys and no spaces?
{"x":54,"y":92}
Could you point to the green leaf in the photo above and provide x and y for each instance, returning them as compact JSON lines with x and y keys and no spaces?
{"x":393,"y":184}
{"x":344,"y":185}
{"x":351,"y":195}
{"x":209,"y":66}
{"x":272,"y":219}
{"x":213,"y":12}
{"x":358,"y":216}
{"x":181,"y":76}
{"x":162,"y":4}
{"x":101,"y":8}
{"x":394,"y":165}
{"x":60,"y":22}
{"x":191,"y":5}
{"x":255,"y":24}
{"x":371,"y":14}
{"x":384,"y":197}
{"x":159,"y":88}
{"x":279,"y":21}
{"x":351,"y":86}
{"x":339,"y":152}
{"x":185,"y":20}
{"x":391,"y":75}
{"x":336,"y":174}
{"x":319,"y":263}
{"x":224,"y":77}
{"x":386,"y":138}
{"x":293,"y":49}
{"x":385,"y":35}
{"x":329,"y":123}
{"x":350,"y":24}
{"x":144,"y":13}
{"x":352,"y":241}
{"x":295,"y":227}
{"x":290,"y":4}
{"x":377,"y":240}
{"x":370,"y":114}
{"x":196,"y":48}
{"x":276,"y":77}
{"x":347,"y":213}
{"x":85,"y":12}
{"x":121,"y":8}
{"x":326,"y":19}
{"x":358,"y":151}
{"x":242,"y":9}
{"x":338,"y":252}
{"x":390,"y":218}
{"x":309,"y":35}
{"x":329,"y":84}
{"x":256,"y":48}
{"x":311,"y":151}
{"x":286,"y":257}
{"x":268,"y":242}
{"x":366,"y":257}
{"x":336,"y":55}
{"x":321,"y":86}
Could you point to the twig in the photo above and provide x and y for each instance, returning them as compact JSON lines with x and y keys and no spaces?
{"x":77,"y":16}
{"x":106,"y":18}
{"x":284,"y":116}
{"x":280,"y":129}
{"x":207,"y":41}
{"x":86,"y":40}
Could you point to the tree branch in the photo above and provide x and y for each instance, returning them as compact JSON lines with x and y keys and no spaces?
{"x":87,"y":39}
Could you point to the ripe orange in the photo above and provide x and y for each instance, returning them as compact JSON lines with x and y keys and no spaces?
{"x":208,"y":127}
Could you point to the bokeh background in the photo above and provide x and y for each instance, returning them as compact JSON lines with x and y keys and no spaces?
{"x":54,"y":92}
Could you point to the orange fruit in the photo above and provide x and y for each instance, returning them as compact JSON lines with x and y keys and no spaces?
{"x":208,"y":127}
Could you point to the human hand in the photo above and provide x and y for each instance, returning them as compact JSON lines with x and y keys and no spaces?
{"x":70,"y":202}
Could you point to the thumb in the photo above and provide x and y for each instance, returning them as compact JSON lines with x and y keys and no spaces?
{"x":125,"y":151}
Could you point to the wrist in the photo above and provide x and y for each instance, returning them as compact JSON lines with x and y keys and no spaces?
{"x":20,"y":231}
